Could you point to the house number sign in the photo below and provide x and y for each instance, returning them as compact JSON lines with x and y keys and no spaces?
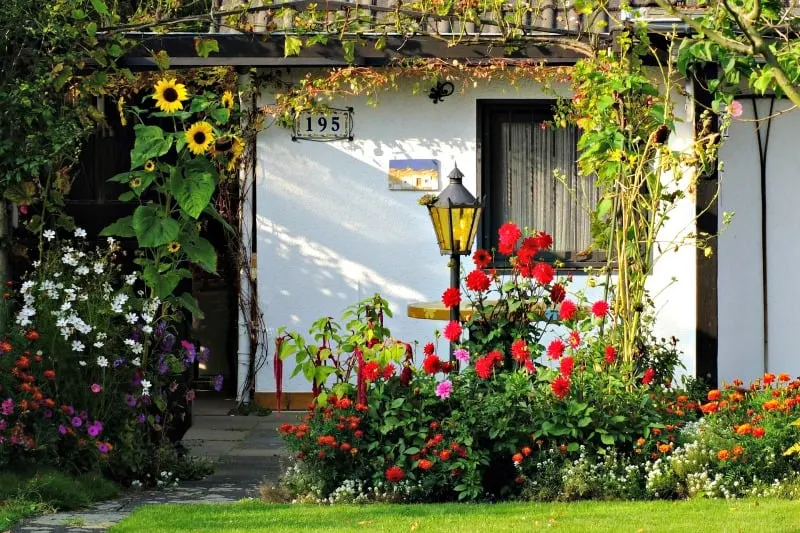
{"x":332,"y":125}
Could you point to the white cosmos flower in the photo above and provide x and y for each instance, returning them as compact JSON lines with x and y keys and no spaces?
{"x":98,"y":268}
{"x":82,"y":270}
{"x":137,"y":348}
{"x":130,"y":279}
{"x":136,"y":362}
{"x":77,"y":346}
{"x":132,"y":318}
{"x":102,"y":362}
{"x":82,"y":363}
{"x":147,"y":329}
{"x":99,"y":344}
{"x":49,"y":234}
{"x":80,"y":232}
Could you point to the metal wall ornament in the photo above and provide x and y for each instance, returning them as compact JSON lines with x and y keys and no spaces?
{"x":441,"y":91}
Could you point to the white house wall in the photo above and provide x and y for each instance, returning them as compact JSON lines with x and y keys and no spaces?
{"x":740,"y":289}
{"x":330,"y":232}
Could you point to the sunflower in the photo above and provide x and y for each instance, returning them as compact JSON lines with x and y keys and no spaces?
{"x":169,"y":95}
{"x":136,"y":183}
{"x":199,"y":137}
{"x":236,"y":152}
{"x":174,"y":247}
{"x":227,"y":99}
{"x":149,"y":166}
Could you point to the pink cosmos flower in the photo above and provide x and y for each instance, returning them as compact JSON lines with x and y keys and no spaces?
{"x":96,"y":388}
{"x":444,"y":388}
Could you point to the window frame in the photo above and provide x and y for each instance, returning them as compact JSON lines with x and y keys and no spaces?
{"x":538,"y":108}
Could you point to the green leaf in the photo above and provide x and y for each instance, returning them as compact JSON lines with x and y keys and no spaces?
{"x":221,"y":115}
{"x":349,"y":48}
{"x":121,"y":228}
{"x":101,"y":8}
{"x":127,"y":196}
{"x":194,"y":189}
{"x":607,"y":439}
{"x":204,"y":47}
{"x":201,"y":252}
{"x":292,"y":46}
{"x":150,"y":143}
{"x":412,"y":450}
{"x":162,"y":283}
{"x":189,"y":302}
{"x":397,"y":402}
{"x":603,"y":102}
{"x":91,"y":29}
{"x":573,"y":447}
{"x":154,"y":227}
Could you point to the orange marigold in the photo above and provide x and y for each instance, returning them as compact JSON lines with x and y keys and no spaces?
{"x":770,"y":405}
{"x":744,"y":429}
{"x":784,"y":377}
{"x":738,"y":450}
{"x":714,"y":395}
{"x":758,"y":432}
{"x":768,"y":378}
{"x":723,"y":455}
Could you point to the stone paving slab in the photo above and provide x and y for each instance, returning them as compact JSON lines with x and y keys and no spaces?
{"x":246,"y":455}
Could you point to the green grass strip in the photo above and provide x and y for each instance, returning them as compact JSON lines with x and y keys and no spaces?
{"x":694,"y":516}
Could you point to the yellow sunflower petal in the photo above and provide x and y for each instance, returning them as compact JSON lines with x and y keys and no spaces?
{"x":227,"y":99}
{"x":199,"y":137}
{"x":169,"y":94}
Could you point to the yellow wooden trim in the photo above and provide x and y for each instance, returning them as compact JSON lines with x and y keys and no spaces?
{"x":435,"y":311}
{"x":290,"y":401}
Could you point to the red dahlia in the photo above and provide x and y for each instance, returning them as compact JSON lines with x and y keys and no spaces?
{"x":371,"y":371}
{"x":519,"y":350}
{"x":508,"y":234}
{"x":600,"y":308}
{"x":425,"y":464}
{"x":451,"y":297}
{"x":428,"y":349}
{"x":648,"y":376}
{"x":567,"y":310}
{"x":388,"y":371}
{"x":452,"y":331}
{"x":560,"y":386}
{"x":556,"y":348}
{"x":566,"y":365}
{"x":526,"y":254}
{"x":394,"y":474}
{"x":543,"y":273}
{"x":611,"y":354}
{"x":557,"y":293}
{"x":574,"y":339}
{"x":478,"y":281}
{"x":543,"y":240}
{"x":481,"y":258}
{"x":432,"y":364}
{"x":484,"y":367}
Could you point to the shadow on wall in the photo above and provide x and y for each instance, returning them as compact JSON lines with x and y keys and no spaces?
{"x":331,"y":233}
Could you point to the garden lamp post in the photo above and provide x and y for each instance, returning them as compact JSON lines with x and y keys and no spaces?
{"x":455,"y":214}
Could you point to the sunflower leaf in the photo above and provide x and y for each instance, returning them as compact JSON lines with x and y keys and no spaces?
{"x":121,"y":228}
{"x":162,"y":284}
{"x":188,"y":302}
{"x":201,"y":252}
{"x":221,"y":115}
{"x":193,"y":189}
{"x":153,"y":227}
{"x":204,"y":47}
{"x":150,"y":143}
{"x":292,"y":46}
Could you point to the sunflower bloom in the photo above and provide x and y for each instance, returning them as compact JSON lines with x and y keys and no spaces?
{"x":199,"y":137}
{"x":169,"y":94}
{"x":174,"y":247}
{"x":227,"y":100}
{"x":149,"y":166}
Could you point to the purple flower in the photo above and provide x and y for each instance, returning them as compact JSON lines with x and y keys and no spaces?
{"x":141,"y":418}
{"x":444,"y":388}
{"x":7,"y":407}
{"x":84,"y":415}
{"x":462,"y":355}
{"x":62,"y":429}
{"x":95,"y":429}
{"x":163,"y":367}
{"x":103,"y":447}
{"x":136,"y":381}
{"x":3,"y":425}
{"x":96,"y":388}
{"x":161,"y":328}
{"x":168,"y":342}
{"x":204,"y":355}
{"x":217,"y":381}
{"x":77,"y":422}
{"x":157,"y":419}
{"x":69,"y":410}
{"x":136,"y":336}
{"x":48,"y":413}
{"x":130,"y":400}
{"x":191,"y":351}
{"x":118,"y":363}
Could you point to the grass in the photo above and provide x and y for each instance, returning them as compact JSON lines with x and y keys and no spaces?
{"x":749,"y":516}
{"x":24,"y":494}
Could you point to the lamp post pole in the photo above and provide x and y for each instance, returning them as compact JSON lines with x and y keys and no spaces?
{"x":455,"y":311}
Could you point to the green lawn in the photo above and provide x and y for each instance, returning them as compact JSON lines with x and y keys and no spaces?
{"x":749,"y":516}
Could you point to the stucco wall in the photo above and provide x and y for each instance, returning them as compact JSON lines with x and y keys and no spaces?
{"x":330,"y":232}
{"x":741,"y":309}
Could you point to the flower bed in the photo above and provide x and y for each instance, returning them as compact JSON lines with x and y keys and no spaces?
{"x":535,"y":403}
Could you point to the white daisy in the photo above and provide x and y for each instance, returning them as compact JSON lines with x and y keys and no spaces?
{"x":49,"y":234}
{"x":146,"y":386}
{"x":130,"y":279}
{"x":132,"y":318}
{"x":102,"y":362}
{"x":80,"y":232}
{"x":136,"y":362}
{"x":77,"y":346}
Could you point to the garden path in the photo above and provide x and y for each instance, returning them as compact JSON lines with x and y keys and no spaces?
{"x":247,"y":450}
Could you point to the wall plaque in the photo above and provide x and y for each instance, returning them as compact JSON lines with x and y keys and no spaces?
{"x":333,"y":125}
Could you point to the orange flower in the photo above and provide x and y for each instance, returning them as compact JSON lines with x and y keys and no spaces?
{"x":34,"y":336}
{"x":713,"y":395}
{"x":758,"y":432}
{"x":738,"y":450}
{"x":6,"y":347}
{"x":784,"y":377}
{"x":768,"y":378}
{"x":641,"y":442}
{"x":723,"y":455}
{"x":526,"y":451}
{"x":517,"y":458}
{"x":744,"y":429}
{"x":664,"y":448}
{"x":425,"y":464}
{"x":709,"y":408}
{"x":770,"y":405}
{"x":682,"y":398}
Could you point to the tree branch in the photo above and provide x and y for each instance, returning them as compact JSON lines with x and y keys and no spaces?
{"x":712,"y":34}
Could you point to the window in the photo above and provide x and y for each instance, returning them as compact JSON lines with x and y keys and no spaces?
{"x":519,"y":158}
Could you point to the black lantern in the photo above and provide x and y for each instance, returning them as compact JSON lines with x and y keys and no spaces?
{"x":455,"y":214}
